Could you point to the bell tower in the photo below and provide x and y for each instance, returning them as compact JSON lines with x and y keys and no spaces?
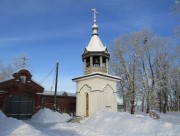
{"x":95,"y":56}
{"x":96,"y":89}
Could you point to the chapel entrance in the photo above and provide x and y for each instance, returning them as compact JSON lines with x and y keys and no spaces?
{"x":19,"y":106}
{"x":87,"y":104}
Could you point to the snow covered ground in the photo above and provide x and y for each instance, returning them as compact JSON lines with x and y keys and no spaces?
{"x":14,"y":127}
{"x":48,"y":116}
{"x":46,"y":122}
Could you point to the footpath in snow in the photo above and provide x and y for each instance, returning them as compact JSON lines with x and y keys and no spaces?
{"x":47,"y":122}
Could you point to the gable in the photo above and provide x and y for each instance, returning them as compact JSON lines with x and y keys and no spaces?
{"x":21,"y":81}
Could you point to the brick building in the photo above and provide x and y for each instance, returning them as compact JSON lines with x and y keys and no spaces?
{"x":65,"y":102}
{"x":21,"y":97}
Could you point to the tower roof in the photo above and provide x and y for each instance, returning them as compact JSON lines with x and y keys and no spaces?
{"x":95,"y":43}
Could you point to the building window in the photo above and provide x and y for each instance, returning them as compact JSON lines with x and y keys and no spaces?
{"x":23,"y":79}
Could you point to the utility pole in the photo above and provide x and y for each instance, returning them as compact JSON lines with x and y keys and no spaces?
{"x":56,"y":86}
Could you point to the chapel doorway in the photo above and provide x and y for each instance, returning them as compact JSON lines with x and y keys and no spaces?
{"x":19,"y":106}
{"x":87,"y":104}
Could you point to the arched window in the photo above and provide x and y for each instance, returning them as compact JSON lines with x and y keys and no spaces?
{"x":87,"y":104}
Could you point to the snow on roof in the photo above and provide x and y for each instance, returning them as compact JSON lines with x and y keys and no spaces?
{"x":60,"y":93}
{"x":95,"y":44}
{"x":6,"y":79}
{"x":2,"y":91}
{"x":97,"y":74}
{"x":48,"y":116}
{"x":13,"y":79}
{"x":21,"y":69}
{"x":71,"y":94}
{"x":37,"y":83}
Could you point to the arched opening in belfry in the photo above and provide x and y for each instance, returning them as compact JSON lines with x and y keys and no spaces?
{"x":96,"y":61}
{"x":88,"y":62}
{"x":104,"y":62}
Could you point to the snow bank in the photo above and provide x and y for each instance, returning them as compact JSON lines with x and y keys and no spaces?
{"x":100,"y":124}
{"x":125,"y":124}
{"x":48,"y":116}
{"x":14,"y":127}
{"x":172,"y":117}
{"x":2,"y":116}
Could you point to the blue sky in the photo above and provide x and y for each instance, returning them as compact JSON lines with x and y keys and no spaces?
{"x":48,"y":31}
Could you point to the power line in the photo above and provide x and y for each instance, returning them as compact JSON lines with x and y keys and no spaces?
{"x":48,"y":74}
{"x":53,"y":81}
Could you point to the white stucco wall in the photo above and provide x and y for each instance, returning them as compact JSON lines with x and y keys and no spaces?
{"x":101,"y":92}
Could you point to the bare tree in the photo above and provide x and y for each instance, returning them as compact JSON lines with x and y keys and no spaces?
{"x":163,"y":63}
{"x":175,"y":10}
{"x":143,"y":61}
{"x":176,"y":7}
{"x":7,"y":70}
{"x":125,"y":63}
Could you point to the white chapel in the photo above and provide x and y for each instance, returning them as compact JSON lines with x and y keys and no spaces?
{"x":96,"y":89}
